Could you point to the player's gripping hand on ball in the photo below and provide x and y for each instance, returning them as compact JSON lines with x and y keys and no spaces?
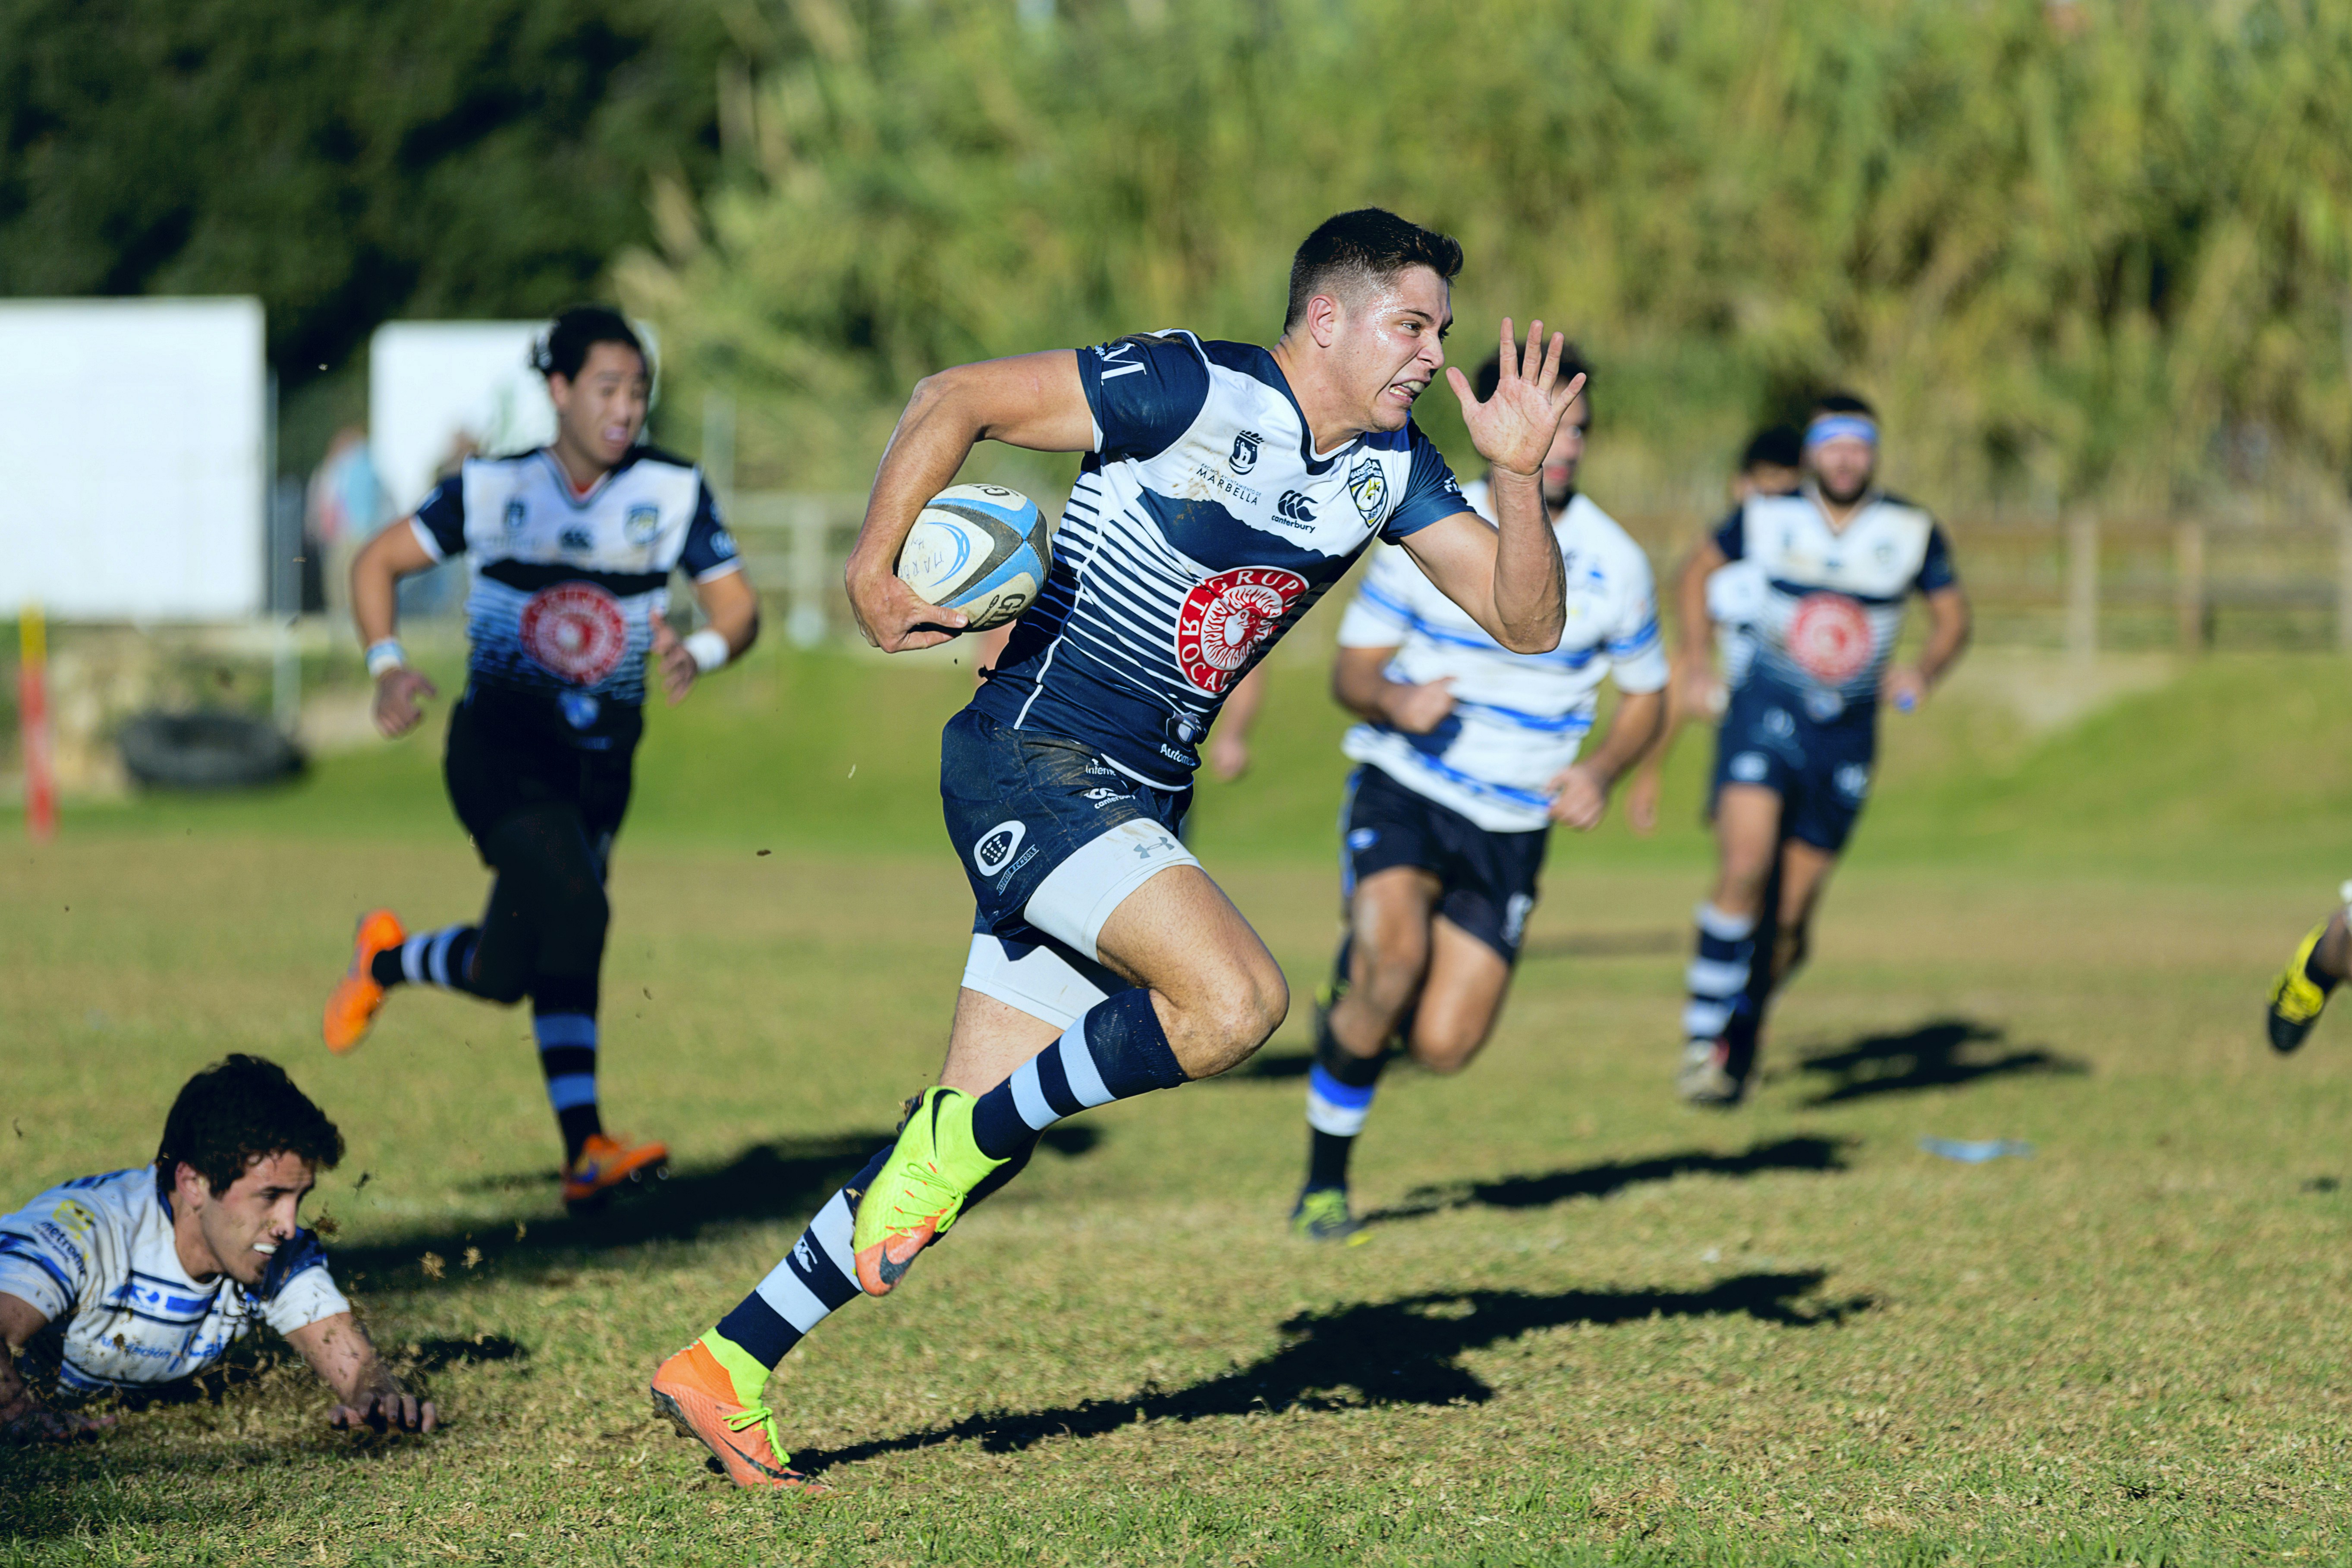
{"x":893,"y":616}
{"x":398,"y":692}
{"x":385,"y":1412}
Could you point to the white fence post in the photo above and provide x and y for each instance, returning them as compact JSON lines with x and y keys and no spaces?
{"x":807,"y":623}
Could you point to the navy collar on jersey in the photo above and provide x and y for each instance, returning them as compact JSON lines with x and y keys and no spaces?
{"x":1260,"y":364}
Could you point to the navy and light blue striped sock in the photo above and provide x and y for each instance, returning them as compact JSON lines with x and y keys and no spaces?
{"x":1116,"y":1051}
{"x":563,"y":1017}
{"x":1720,"y":972}
{"x":429,"y":958}
{"x":816,"y":1278}
{"x":1339,"y":1088}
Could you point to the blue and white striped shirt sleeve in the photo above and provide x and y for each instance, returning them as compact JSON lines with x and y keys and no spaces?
{"x":1381,"y":615}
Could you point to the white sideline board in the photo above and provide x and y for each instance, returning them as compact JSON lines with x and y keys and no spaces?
{"x":431,"y":384}
{"x":133,"y":439}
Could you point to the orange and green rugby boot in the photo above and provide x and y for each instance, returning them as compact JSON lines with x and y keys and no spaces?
{"x":710,"y":1392}
{"x":606,"y":1162}
{"x":2295,"y":998}
{"x":931,"y":1171}
{"x":351,"y":1007}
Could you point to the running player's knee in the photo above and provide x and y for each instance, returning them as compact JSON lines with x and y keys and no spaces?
{"x":1242,"y":1010}
{"x":1395,"y":959}
{"x":1444,"y":1046}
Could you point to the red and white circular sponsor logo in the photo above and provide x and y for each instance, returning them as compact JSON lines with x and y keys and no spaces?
{"x":575,"y":629}
{"x":1226,"y":616}
{"x":1830,"y":638}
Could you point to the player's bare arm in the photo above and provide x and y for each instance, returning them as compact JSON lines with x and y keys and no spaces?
{"x":1949,"y":625}
{"x":1229,"y":742}
{"x":25,"y":1417}
{"x":367,"y":1392}
{"x":1029,"y":400}
{"x":1580,"y":791}
{"x":1359,"y":683}
{"x":1694,"y":627}
{"x":1509,"y":577}
{"x":732,"y":608}
{"x":376,"y":572}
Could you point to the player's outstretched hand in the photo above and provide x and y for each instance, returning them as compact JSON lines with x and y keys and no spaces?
{"x":677,"y":666}
{"x":1904,"y":687}
{"x":1418,"y":709}
{"x":385,"y":1412}
{"x":1578,"y":798}
{"x":42,"y":1424}
{"x":397,"y":693}
{"x":1514,"y":429}
{"x":893,"y":617}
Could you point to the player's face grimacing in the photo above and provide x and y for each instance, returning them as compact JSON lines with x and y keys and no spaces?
{"x":1567,"y":453}
{"x":1844,"y":467}
{"x":1390,"y":344}
{"x":243,"y":1227}
{"x":600,"y":412}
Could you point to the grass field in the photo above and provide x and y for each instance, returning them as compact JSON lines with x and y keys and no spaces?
{"x":1589,"y":1326}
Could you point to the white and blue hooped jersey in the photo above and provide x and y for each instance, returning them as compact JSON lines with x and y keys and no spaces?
{"x":1833,"y":598}
{"x":1203,"y":526}
{"x":566,"y":587}
{"x":1519,"y":717}
{"x":95,"y":1257}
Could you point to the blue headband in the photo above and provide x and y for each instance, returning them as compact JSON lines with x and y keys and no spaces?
{"x":1842,"y":427}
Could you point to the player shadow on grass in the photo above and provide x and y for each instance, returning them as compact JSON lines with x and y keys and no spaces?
{"x":1936,"y":1055}
{"x":1800,"y":1153}
{"x":782,"y":1181}
{"x":1404,"y":1351}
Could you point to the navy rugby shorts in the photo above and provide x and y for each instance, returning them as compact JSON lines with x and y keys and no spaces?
{"x":1053,"y":839}
{"x":1487,"y":880}
{"x":1820,"y":772}
{"x":504,"y":755}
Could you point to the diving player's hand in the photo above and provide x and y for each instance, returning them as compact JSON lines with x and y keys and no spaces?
{"x":36,"y":1423}
{"x":385,"y":1412}
{"x":1580,"y":798}
{"x":397,"y":692}
{"x":1417,"y":710}
{"x":1513,"y":429}
{"x":677,"y":666}
{"x":888,"y":612}
{"x":1904,"y":687}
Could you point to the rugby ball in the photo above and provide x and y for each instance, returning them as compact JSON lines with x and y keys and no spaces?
{"x":981,"y":549}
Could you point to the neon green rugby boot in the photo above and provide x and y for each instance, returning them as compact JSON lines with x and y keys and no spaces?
{"x":921,"y":1189}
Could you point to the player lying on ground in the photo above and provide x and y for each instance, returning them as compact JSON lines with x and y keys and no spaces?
{"x":1839,"y":560}
{"x":2320,"y":962}
{"x":1468,"y":754}
{"x":1770,"y":467}
{"x":123,"y":1283}
{"x":571,"y":549}
{"x":1224,"y":488}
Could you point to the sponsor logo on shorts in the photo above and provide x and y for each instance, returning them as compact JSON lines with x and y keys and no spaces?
{"x":1014,"y":869}
{"x":575,"y":630}
{"x":1749,"y":768}
{"x":1853,"y":781}
{"x":996,"y":846}
{"x":1363,"y":838}
{"x":1830,"y":637}
{"x":579,"y":710}
{"x":642,"y":526}
{"x":1102,"y":796}
{"x":1227,"y":617}
{"x":1515,"y":917}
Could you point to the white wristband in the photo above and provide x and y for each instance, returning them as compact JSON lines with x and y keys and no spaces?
{"x":710,"y":649}
{"x":386,"y":655}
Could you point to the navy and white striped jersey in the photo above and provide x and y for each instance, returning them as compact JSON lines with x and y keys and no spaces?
{"x":1519,"y":717}
{"x":96,"y":1257}
{"x":565,"y":586}
{"x":1833,"y":598}
{"x":1203,"y":526}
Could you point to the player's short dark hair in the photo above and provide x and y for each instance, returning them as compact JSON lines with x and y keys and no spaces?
{"x":1571,"y":365}
{"x":239,"y":1110}
{"x":1842,"y":403}
{"x":564,"y":347}
{"x":1371,"y":244}
{"x":1781,"y":445}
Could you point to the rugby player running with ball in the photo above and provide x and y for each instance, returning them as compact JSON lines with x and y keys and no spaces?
{"x":1838,"y":560}
{"x":571,"y":549}
{"x":1224,"y":488}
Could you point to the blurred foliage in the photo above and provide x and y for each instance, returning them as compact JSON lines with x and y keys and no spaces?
{"x":2100,"y":250}
{"x":346,"y":161}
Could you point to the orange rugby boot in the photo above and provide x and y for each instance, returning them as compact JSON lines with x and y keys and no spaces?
{"x":697,"y":1390}
{"x":352,"y":1005}
{"x":606,"y":1162}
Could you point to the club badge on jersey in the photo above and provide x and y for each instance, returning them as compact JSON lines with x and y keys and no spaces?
{"x":565,"y":586}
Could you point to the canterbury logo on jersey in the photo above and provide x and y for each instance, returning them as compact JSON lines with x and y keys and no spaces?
{"x":1293,"y":508}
